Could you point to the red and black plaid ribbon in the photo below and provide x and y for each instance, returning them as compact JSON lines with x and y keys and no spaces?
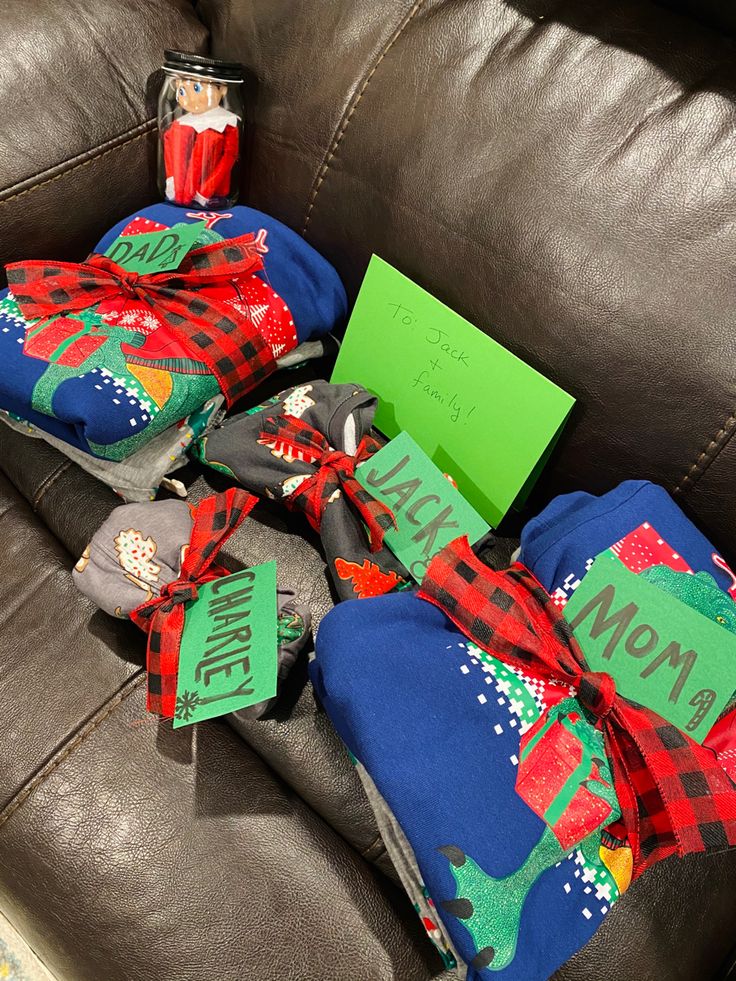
{"x":335,"y":471}
{"x":227,"y":341}
{"x":162,"y":618}
{"x":674,"y":796}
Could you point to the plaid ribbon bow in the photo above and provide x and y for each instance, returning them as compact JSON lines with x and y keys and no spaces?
{"x":674,"y":796}
{"x":226,"y":341}
{"x":335,"y":471}
{"x":162,"y":618}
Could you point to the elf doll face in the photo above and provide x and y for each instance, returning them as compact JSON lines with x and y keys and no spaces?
{"x":197,"y":96}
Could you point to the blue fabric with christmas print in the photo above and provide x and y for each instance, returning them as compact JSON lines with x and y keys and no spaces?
{"x":308,"y":283}
{"x":436,"y":722}
{"x":106,"y":380}
{"x":560,"y":544}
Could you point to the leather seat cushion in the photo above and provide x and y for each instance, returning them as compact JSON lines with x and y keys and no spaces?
{"x":173,"y":843}
{"x":298,"y":741}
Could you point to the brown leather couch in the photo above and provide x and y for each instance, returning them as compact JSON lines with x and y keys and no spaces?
{"x":563,"y":175}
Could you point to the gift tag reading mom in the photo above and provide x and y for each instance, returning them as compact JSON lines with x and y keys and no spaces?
{"x":429,"y":511}
{"x":228,"y":658}
{"x":155,"y":252}
{"x":659,"y":651}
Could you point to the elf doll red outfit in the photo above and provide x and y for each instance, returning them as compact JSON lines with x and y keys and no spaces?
{"x":200,"y":147}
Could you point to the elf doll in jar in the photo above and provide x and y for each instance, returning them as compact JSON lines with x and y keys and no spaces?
{"x":201,"y":145}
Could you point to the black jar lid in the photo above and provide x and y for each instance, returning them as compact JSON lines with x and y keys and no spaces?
{"x":188,"y":63}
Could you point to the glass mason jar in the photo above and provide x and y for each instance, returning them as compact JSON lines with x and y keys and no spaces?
{"x":200,"y":124}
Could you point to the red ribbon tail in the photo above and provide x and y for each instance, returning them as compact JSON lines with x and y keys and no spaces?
{"x":377,"y":517}
{"x":242,"y":258}
{"x":34,"y":282}
{"x":657,"y":768}
{"x":625,"y":792}
{"x":162,"y":665}
{"x":377,"y":533}
{"x":216,"y":519}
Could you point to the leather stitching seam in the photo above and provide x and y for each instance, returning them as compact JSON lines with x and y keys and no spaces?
{"x":43,"y":775}
{"x":708,"y":455}
{"x":82,"y":160}
{"x":50,"y":480}
{"x":377,"y":843}
{"x":345,"y":122}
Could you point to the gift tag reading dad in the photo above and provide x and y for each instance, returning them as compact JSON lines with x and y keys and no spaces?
{"x":659,"y":651}
{"x":155,"y":252}
{"x":477,"y":410}
{"x":228,"y":658}
{"x":429,"y":511}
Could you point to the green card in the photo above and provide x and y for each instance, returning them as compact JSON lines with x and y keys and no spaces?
{"x":228,"y":658}
{"x":429,"y":511}
{"x":154,"y":252}
{"x":660,"y":652}
{"x":478,"y":411}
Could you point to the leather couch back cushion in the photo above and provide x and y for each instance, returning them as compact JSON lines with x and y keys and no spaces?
{"x":77,"y":147}
{"x":562,"y":175}
{"x":718,"y":14}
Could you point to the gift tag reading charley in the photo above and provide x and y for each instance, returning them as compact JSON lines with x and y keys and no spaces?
{"x":228,"y":658}
{"x":659,"y":651}
{"x":155,"y":252}
{"x":429,"y":511}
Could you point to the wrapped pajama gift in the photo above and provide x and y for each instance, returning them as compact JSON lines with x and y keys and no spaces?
{"x":109,"y":376}
{"x":640,"y":523}
{"x":507,"y":779}
{"x":302,"y":447}
{"x":144,"y":563}
{"x":139,"y":476}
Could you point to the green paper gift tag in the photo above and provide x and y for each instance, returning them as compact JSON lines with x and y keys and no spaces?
{"x":478,"y":411}
{"x":228,"y":657}
{"x":429,"y":511}
{"x":659,"y":651}
{"x":155,"y":252}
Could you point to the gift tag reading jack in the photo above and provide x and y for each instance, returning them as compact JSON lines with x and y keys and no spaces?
{"x":155,"y":252}
{"x":429,"y":511}
{"x":228,"y":657}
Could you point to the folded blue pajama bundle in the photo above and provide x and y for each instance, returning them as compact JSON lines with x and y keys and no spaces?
{"x":107,"y":379}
